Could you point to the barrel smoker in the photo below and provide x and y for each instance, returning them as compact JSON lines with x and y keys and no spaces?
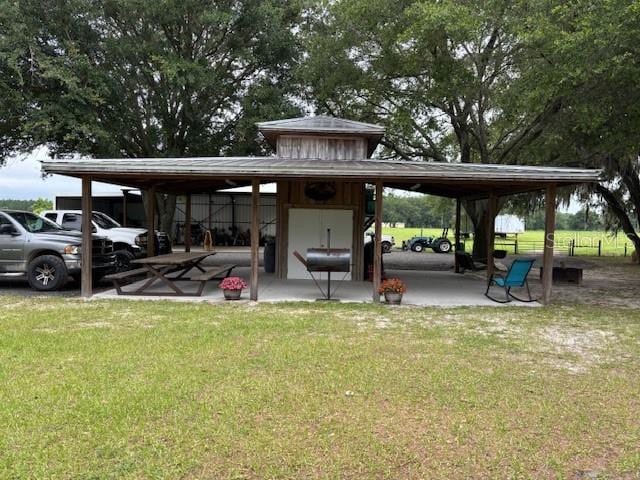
{"x":326,"y":260}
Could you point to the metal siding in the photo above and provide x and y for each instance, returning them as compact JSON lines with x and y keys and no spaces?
{"x":221,"y":211}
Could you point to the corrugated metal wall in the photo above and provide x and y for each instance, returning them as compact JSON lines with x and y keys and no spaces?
{"x":220,"y":212}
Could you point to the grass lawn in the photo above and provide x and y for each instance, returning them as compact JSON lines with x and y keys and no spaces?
{"x":169,"y":390}
{"x":533,"y":239}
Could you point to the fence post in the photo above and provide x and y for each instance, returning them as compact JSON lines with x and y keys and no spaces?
{"x":599,"y":248}
{"x":515,"y":246}
{"x":625,"y":249}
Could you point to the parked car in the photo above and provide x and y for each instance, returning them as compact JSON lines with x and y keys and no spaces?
{"x":128,"y":243}
{"x":45,"y":252}
{"x":438,"y":244}
{"x":387,"y":241}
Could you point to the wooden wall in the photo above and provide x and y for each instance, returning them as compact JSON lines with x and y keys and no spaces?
{"x":325,"y":147}
{"x":349,"y":196}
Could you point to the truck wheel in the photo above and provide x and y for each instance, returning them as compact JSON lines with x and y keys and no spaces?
{"x":123,"y":260}
{"x":418,"y":247}
{"x":386,"y":247}
{"x":47,"y":273}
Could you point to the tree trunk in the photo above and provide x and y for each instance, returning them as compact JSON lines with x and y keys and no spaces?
{"x":477,"y":210}
{"x":165,"y":210}
{"x":620,"y":212}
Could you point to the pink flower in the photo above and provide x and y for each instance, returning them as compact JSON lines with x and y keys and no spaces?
{"x":232,"y":283}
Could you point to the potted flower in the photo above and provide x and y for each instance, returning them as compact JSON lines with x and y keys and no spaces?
{"x":232,"y":287}
{"x":392,"y":288}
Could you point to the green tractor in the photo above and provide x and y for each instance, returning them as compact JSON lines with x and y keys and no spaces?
{"x":439,"y":244}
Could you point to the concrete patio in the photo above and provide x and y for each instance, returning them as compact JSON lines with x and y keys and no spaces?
{"x":424,"y":288}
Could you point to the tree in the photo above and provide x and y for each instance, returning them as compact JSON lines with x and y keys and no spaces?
{"x":452,"y":80}
{"x":596,"y":55}
{"x":12,"y":64}
{"x":164,"y":78}
{"x":41,"y":204}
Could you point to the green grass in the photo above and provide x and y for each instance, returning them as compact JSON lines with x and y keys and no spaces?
{"x":533,"y":240}
{"x":96,"y":390}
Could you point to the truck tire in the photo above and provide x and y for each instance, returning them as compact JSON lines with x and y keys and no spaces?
{"x":386,"y":247}
{"x":123,"y":260}
{"x":47,"y":273}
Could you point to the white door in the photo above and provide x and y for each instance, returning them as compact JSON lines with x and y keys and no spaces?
{"x":308,"y":229}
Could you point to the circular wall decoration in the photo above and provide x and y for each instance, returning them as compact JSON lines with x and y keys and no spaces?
{"x":320,"y":191}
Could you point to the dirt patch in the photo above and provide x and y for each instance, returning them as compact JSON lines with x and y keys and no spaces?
{"x":576,"y":350}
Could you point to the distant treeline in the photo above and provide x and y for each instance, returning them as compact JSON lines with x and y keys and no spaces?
{"x":581,"y":220}
{"x":436,"y":212}
{"x":36,"y":206}
{"x":419,"y":211}
{"x":17,"y":204}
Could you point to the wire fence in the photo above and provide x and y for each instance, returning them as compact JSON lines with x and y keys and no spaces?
{"x":571,"y":247}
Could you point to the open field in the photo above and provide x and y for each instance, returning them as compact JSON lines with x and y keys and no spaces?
{"x":168,"y":390}
{"x":533,"y":240}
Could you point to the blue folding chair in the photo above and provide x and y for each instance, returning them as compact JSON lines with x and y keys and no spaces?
{"x":516,"y":277}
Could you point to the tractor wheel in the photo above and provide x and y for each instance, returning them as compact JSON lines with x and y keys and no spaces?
{"x":418,"y":247}
{"x":442,"y":246}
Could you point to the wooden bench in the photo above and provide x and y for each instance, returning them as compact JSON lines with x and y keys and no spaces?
{"x":217,"y":273}
{"x":565,"y":274}
{"x":121,"y":279}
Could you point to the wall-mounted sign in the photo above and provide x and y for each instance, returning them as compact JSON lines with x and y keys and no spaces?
{"x":320,"y":191}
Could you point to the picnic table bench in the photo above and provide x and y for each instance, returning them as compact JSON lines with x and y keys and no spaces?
{"x":159,"y":269}
{"x":217,"y":273}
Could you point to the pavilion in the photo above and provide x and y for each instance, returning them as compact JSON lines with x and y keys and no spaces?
{"x":322,"y":167}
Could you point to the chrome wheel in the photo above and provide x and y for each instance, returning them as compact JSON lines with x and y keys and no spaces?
{"x":45,"y":273}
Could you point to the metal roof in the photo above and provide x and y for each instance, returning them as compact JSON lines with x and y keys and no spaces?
{"x":322,"y":125}
{"x":212,"y":173}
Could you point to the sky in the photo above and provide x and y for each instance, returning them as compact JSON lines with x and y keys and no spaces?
{"x":21,"y":179}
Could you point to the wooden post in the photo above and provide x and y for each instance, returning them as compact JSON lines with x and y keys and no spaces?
{"x":457,"y":236}
{"x":549,"y":241}
{"x":377,"y":243}
{"x":86,"y":281}
{"x":492,"y":205}
{"x":255,"y":237}
{"x":187,"y":224}
{"x":151,"y":221}
{"x":124,"y":207}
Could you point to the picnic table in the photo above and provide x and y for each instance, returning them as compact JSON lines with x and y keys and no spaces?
{"x":168,"y":269}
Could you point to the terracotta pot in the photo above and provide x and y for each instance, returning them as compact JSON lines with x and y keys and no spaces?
{"x":393,"y":298}
{"x":232,"y":294}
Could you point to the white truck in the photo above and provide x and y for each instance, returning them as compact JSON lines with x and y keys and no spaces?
{"x":387,"y":241}
{"x":128,"y":243}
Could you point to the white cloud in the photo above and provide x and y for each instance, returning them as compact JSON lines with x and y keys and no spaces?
{"x":21,"y":179}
